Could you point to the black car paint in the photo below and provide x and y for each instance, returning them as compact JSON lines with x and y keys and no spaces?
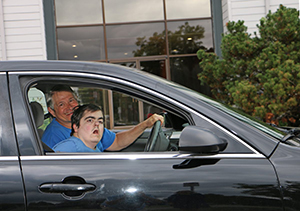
{"x":286,"y":162}
{"x":264,"y":181}
{"x":114,"y":177}
{"x":12,"y":195}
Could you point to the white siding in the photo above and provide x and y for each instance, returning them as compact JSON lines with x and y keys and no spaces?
{"x":251,"y":11}
{"x":2,"y":32}
{"x":24,"y":33}
{"x":225,"y":14}
{"x":288,"y":3}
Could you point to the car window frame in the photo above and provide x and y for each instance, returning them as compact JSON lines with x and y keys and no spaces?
{"x":30,"y":77}
{"x":27,"y":81}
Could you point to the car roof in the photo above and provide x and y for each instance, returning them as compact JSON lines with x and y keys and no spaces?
{"x":117,"y":71}
{"x":74,"y":66}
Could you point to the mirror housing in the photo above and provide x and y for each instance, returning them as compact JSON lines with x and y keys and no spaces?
{"x":194,"y":139}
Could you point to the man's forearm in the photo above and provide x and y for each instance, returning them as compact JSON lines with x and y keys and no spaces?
{"x":125,"y":138}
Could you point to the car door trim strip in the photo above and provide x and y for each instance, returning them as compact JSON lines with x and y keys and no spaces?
{"x":138,"y":156}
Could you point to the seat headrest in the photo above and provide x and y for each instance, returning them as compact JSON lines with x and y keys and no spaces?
{"x":38,"y":113}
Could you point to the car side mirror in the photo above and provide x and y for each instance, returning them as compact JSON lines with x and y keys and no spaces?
{"x":194,"y":139}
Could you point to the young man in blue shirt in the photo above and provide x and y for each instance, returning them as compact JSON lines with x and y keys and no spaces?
{"x":87,"y":131}
{"x":89,"y":135}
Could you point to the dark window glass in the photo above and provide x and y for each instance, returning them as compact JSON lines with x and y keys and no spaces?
{"x":155,"y":67}
{"x":133,"y":10}
{"x":130,"y":40}
{"x":81,"y":43}
{"x":178,"y":9}
{"x":75,"y":12}
{"x":186,"y":37}
{"x":126,"y":111}
{"x":184,"y":70}
{"x":150,"y":109}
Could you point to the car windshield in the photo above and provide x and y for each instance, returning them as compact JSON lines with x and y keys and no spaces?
{"x":233,"y":112}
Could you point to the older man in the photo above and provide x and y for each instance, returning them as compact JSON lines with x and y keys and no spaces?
{"x":61,"y":104}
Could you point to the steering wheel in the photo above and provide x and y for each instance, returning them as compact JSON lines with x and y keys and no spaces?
{"x":150,"y":145}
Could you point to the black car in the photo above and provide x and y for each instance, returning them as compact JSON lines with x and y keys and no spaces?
{"x":205,"y":157}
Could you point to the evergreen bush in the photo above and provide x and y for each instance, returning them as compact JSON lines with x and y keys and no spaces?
{"x":259,"y":74}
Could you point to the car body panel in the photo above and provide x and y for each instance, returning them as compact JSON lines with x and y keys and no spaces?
{"x":134,"y":183}
{"x":12,"y":195}
{"x":286,"y":162}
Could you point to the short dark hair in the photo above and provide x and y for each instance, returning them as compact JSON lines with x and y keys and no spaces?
{"x":58,"y":88}
{"x":80,"y":110}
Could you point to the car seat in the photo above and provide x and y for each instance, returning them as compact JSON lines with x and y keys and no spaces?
{"x":38,"y":115}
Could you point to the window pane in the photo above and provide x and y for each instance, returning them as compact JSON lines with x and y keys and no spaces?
{"x":155,"y":67}
{"x":184,"y":70}
{"x":187,"y":37}
{"x":36,"y":95}
{"x":133,"y":10}
{"x":129,"y":40}
{"x":126,"y":110}
{"x":75,"y":12}
{"x":81,"y":43}
{"x":150,"y":109}
{"x":177,"y":9}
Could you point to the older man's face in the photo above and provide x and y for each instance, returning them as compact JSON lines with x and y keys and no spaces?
{"x":90,"y":128}
{"x":64,"y":103}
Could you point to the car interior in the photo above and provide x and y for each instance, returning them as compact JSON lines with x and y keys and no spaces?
{"x":121,"y":111}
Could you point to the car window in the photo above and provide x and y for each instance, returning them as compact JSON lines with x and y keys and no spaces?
{"x":124,"y":107}
{"x":36,"y":95}
{"x":121,"y":110}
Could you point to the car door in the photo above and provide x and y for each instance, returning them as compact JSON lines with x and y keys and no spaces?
{"x":12,"y":196}
{"x":235,"y":180}
{"x":154,"y":181}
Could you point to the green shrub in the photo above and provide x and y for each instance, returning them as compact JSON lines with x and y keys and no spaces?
{"x":259,"y":74}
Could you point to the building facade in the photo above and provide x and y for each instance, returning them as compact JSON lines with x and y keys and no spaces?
{"x":22,"y":30}
{"x":157,"y":36}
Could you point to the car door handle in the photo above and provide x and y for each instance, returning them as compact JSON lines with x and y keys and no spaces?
{"x":63,"y":188}
{"x":193,"y":163}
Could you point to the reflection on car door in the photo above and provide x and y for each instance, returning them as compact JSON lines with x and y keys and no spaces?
{"x":11,"y":186}
{"x":150,"y":181}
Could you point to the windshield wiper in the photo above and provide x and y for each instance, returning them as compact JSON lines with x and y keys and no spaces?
{"x":291,"y":133}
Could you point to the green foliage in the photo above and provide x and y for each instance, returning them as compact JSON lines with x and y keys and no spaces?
{"x":259,"y":74}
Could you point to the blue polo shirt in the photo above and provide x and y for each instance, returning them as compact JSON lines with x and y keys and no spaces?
{"x":55,"y":133}
{"x":74,"y":144}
